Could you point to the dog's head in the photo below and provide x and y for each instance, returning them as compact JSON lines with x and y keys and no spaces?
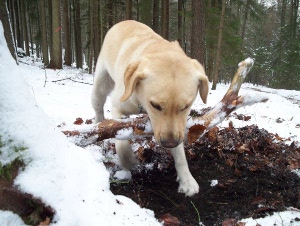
{"x":166,"y":88}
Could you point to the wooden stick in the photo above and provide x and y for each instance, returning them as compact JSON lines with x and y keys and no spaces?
{"x":197,"y":126}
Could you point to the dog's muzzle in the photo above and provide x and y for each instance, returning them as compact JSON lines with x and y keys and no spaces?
{"x":171,"y":143}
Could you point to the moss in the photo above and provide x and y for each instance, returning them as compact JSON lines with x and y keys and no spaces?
{"x":6,"y":172}
{"x":7,"y":169}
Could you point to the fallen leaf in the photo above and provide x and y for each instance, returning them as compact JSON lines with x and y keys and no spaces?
{"x":71,"y":133}
{"x":169,"y":220}
{"x":45,"y":222}
{"x":229,"y":222}
{"x":78,"y":121}
{"x":195,"y":132}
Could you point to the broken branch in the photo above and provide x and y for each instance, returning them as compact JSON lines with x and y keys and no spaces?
{"x":197,"y":126}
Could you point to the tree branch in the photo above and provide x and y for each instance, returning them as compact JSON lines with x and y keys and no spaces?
{"x":197,"y":124}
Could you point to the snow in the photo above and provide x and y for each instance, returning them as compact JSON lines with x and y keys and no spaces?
{"x":123,"y":175}
{"x":68,"y":178}
{"x":73,"y":180}
{"x":282,"y":218}
{"x":214,"y":183}
{"x":8,"y":218}
{"x":124,"y":133}
{"x":248,"y":64}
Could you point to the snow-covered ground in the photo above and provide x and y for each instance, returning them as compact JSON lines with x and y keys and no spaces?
{"x":74,"y":181}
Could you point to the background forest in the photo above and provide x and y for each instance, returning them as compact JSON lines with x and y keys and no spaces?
{"x":219,"y":33}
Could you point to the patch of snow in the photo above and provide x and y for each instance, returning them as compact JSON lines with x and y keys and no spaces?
{"x":249,"y":63}
{"x":214,"y":183}
{"x":149,"y":166}
{"x":290,"y":217}
{"x":123,"y":175}
{"x":124,"y":134}
{"x":8,"y":218}
{"x":73,"y":181}
{"x":191,"y":122}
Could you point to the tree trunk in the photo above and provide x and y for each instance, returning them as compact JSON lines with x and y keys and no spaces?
{"x":146,"y":16}
{"x":293,"y":18}
{"x":77,"y":35}
{"x":155,"y":19}
{"x":91,"y":43}
{"x":8,"y":34}
{"x":97,"y":29}
{"x":55,"y":51}
{"x":110,"y":13}
{"x":218,"y":57}
{"x":179,"y":22}
{"x":29,"y":25}
{"x":24,"y":25}
{"x":128,"y":10}
{"x":20,"y":39}
{"x":165,"y":19}
{"x":66,"y":30}
{"x":198,"y":32}
{"x":245,"y":19}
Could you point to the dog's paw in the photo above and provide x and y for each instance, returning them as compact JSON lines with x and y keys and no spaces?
{"x":188,"y":186}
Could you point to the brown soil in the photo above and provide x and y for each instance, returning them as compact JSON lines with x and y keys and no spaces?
{"x":32,"y":210}
{"x":252,"y":166}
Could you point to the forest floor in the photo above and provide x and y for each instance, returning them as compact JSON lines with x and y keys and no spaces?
{"x":242,"y":172}
{"x":245,"y":172}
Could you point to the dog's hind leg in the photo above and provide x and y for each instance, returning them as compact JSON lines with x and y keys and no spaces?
{"x":187,"y":183}
{"x":103,"y":84}
{"x":126,"y":156}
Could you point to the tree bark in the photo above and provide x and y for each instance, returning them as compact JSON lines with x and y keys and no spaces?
{"x":198,"y":32}
{"x":218,"y":57}
{"x":66,"y":30}
{"x":91,"y":36}
{"x":110,"y":13}
{"x":245,"y":19}
{"x":4,"y":17}
{"x":145,"y":12}
{"x":155,"y":20}
{"x":197,"y":125}
{"x":128,"y":15}
{"x":19,"y":29}
{"x":165,"y":19}
{"x":77,"y":35}
{"x":24,"y":25}
{"x":44,"y":32}
{"x":98,"y":29}
{"x":179,"y":22}
{"x":55,"y":51}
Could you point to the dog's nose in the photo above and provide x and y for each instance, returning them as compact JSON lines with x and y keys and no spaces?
{"x":169,"y":143}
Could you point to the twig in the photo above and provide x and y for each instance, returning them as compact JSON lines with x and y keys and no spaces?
{"x":199,"y":220}
{"x":45,"y":77}
{"x":69,"y":78}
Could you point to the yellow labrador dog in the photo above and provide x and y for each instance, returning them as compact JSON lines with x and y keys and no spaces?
{"x":149,"y":74}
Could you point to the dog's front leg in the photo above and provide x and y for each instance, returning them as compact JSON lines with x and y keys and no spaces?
{"x":187,"y":183}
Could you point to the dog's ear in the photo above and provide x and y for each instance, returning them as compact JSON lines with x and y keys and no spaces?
{"x":131,"y":78}
{"x":203,"y":81}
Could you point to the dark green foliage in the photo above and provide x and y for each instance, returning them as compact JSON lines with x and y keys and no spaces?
{"x":269,"y":34}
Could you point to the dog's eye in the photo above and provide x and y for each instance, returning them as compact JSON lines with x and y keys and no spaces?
{"x":156,"y":106}
{"x":186,"y":107}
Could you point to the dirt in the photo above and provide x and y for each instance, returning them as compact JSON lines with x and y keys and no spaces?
{"x":253,"y":169}
{"x":32,"y":210}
